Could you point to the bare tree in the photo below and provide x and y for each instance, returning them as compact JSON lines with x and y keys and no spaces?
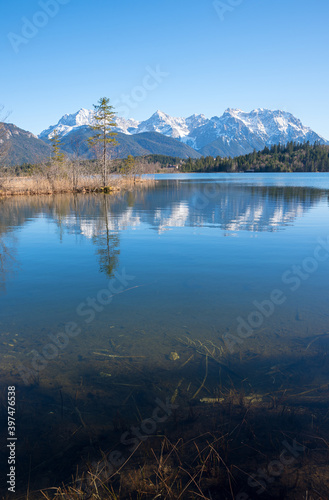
{"x":76,"y":163}
{"x":54,"y":169}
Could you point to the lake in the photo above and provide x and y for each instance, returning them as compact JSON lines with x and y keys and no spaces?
{"x":189,"y":290}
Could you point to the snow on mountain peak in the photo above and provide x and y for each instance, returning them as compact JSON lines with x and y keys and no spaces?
{"x":82,"y":117}
{"x":267,"y":124}
{"x":68,"y":122}
{"x":161,"y":114}
{"x":242,"y":130}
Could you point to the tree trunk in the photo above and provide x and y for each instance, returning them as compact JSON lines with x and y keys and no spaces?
{"x":104,"y":161}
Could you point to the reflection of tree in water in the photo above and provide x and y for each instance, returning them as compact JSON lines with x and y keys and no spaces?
{"x":107,"y":242}
{"x":72,"y":212}
{"x":85,"y":215}
{"x":7,"y":260}
{"x":7,"y":242}
{"x":100,"y":219}
{"x":299,"y":194}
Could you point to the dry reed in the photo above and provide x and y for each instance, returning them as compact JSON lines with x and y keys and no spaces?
{"x":39,"y":185}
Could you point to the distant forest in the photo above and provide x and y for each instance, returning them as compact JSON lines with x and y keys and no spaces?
{"x":291,"y":157}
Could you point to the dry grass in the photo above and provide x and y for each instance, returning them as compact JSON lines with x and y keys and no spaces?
{"x":40,"y":185}
{"x":212,"y":454}
{"x":164,"y":475}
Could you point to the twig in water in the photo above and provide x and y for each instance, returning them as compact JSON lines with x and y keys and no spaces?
{"x":115,"y":356}
{"x":187,"y":361}
{"x":80,"y":417}
{"x":204,"y":380}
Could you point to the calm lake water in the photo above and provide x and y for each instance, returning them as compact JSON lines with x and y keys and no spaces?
{"x":108,"y":303}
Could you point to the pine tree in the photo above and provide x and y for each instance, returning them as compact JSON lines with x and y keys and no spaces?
{"x":57,"y":156}
{"x":128,"y":167}
{"x":103,"y":137}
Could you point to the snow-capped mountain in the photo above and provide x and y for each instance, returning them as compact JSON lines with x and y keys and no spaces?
{"x":257,"y":129}
{"x":68,"y":123}
{"x":235,"y":132}
{"x":176,"y":128}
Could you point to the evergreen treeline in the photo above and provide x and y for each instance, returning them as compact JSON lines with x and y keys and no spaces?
{"x":164,"y":161}
{"x":291,"y":157}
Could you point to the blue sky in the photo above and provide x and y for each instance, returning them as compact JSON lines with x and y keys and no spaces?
{"x":256,"y":54}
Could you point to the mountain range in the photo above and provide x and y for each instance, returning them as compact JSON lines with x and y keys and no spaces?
{"x":234,"y":133}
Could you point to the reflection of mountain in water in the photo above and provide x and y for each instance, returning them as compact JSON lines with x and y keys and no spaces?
{"x":86,"y":216}
{"x":171,"y":204}
{"x":231,"y":207}
{"x":257,"y":209}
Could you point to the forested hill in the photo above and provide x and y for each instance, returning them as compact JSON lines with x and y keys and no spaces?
{"x":291,"y":157}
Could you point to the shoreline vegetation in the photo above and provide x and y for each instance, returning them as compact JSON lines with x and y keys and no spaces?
{"x":73,"y":174}
{"x":63,"y":175}
{"x":106,"y":174}
{"x":39,"y":185}
{"x":279,"y":158}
